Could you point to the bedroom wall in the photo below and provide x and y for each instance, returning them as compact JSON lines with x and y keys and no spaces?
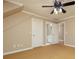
{"x":70,"y":32}
{"x":17,"y":37}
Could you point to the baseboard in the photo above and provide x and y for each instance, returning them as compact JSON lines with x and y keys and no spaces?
{"x":17,"y":3}
{"x":12,"y":52}
{"x":69,"y":45}
{"x":49,"y":44}
{"x":46,"y":44}
{"x":61,"y":40}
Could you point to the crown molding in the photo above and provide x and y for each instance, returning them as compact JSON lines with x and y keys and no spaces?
{"x":65,"y":19}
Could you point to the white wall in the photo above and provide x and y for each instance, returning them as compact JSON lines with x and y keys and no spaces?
{"x":70,"y":32}
{"x":17,"y":33}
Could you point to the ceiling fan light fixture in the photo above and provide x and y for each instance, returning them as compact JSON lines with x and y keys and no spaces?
{"x":60,"y":10}
{"x":58,"y":6}
{"x":55,"y":11}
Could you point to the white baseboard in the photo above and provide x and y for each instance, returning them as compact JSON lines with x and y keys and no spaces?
{"x":12,"y":52}
{"x":49,"y":44}
{"x":61,"y":40}
{"x":69,"y":45}
{"x":16,"y":51}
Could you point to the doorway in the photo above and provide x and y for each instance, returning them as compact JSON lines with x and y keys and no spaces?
{"x":51,"y":33}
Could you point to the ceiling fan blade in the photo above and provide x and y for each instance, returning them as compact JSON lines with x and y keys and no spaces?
{"x":52,"y":12}
{"x":64,"y":11}
{"x":69,"y":3}
{"x":47,"y":6}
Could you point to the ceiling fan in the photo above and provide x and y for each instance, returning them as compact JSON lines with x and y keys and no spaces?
{"x":58,"y":6}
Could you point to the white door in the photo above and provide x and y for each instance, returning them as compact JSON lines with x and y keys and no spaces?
{"x":37,"y":32}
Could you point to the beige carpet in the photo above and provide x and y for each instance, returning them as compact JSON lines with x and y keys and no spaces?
{"x":45,"y":52}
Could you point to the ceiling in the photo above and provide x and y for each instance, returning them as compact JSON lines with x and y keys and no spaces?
{"x":35,"y":6}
